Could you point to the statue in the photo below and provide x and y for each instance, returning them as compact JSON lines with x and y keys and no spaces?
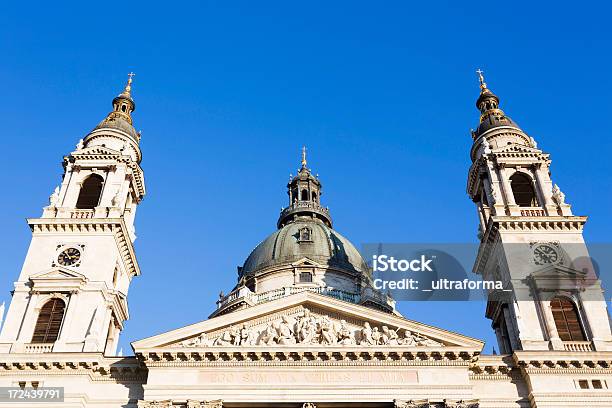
{"x":268,"y":336}
{"x":376,"y":335}
{"x":326,"y":331}
{"x":367,"y":338}
{"x":80,"y":145}
{"x":285,"y":331}
{"x":388,"y":336}
{"x":558,"y":195}
{"x":225,"y":339}
{"x":425,"y":341}
{"x":486,"y":147}
{"x":408,"y":339}
{"x":533,"y":142}
{"x":235,"y":335}
{"x":306,"y":328}
{"x":115,"y":199}
{"x":200,"y":341}
{"x":246,"y":337}
{"x":54,"y":197}
{"x":345,"y":335}
{"x":494,"y":196}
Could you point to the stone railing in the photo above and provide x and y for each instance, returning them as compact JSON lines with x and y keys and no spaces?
{"x":34,"y":348}
{"x":299,"y":205}
{"x":257,"y":298}
{"x":81,"y":213}
{"x":532,"y":212}
{"x":577,"y":346}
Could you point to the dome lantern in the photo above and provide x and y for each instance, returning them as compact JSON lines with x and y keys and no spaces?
{"x":304,"y":192}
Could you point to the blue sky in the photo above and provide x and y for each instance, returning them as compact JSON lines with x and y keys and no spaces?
{"x":382,"y":94}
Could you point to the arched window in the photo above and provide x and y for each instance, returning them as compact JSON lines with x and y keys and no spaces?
{"x":304,"y":195}
{"x":89,"y":197}
{"x":49,"y":321}
{"x":314,"y":197}
{"x":566,"y":319}
{"x":522,"y":188}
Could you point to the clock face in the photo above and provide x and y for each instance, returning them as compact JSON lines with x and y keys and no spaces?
{"x":545,"y":254}
{"x":69,"y":256}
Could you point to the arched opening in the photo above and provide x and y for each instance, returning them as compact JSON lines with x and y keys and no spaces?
{"x":566,"y":319}
{"x":304,"y":195}
{"x":90,"y":193}
{"x":522,"y":188}
{"x":49,"y":321}
{"x":314,"y":197}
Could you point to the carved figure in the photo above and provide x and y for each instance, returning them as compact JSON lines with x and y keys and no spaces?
{"x":558,"y":195}
{"x":225,"y":339}
{"x":326,"y":331}
{"x":486,"y":147}
{"x":408,"y":339}
{"x":388,"y":336}
{"x":422,"y":340}
{"x":54,"y":197}
{"x":367,"y":338}
{"x":235,"y":334}
{"x":115,"y":199}
{"x":285,"y":332}
{"x":345,"y":335}
{"x":307,"y":328}
{"x":268,"y":336}
{"x":200,"y":341}
{"x":376,"y":335}
{"x":246,"y":336}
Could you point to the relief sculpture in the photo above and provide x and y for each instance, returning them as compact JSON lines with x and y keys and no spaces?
{"x":310,"y":329}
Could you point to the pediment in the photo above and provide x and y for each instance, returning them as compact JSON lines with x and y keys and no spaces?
{"x":57,"y":279}
{"x":58,"y":273}
{"x":304,"y":320}
{"x":557,"y":272}
{"x":305,"y":262}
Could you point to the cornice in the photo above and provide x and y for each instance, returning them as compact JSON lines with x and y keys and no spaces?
{"x":538,"y":224}
{"x":304,"y":356}
{"x":94,"y":365}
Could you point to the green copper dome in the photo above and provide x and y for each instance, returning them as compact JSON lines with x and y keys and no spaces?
{"x":305,"y":238}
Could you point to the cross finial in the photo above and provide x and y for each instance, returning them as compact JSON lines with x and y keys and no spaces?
{"x":483,"y":84}
{"x":128,"y":86}
{"x":303,"y":157}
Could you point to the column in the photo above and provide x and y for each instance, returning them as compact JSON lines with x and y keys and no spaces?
{"x":508,"y":194}
{"x":551,"y":328}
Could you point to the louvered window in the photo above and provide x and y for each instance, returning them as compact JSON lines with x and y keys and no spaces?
{"x":49,"y":321}
{"x":566,"y":319}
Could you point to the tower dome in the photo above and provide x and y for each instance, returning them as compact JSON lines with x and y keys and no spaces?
{"x":496,"y":129}
{"x":116,"y":130}
{"x":305,"y":253}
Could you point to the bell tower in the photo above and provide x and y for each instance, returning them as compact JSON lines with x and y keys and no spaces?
{"x":71,"y":294}
{"x":531,"y":241}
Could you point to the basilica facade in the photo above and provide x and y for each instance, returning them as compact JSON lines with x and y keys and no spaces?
{"x":304,"y":326}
